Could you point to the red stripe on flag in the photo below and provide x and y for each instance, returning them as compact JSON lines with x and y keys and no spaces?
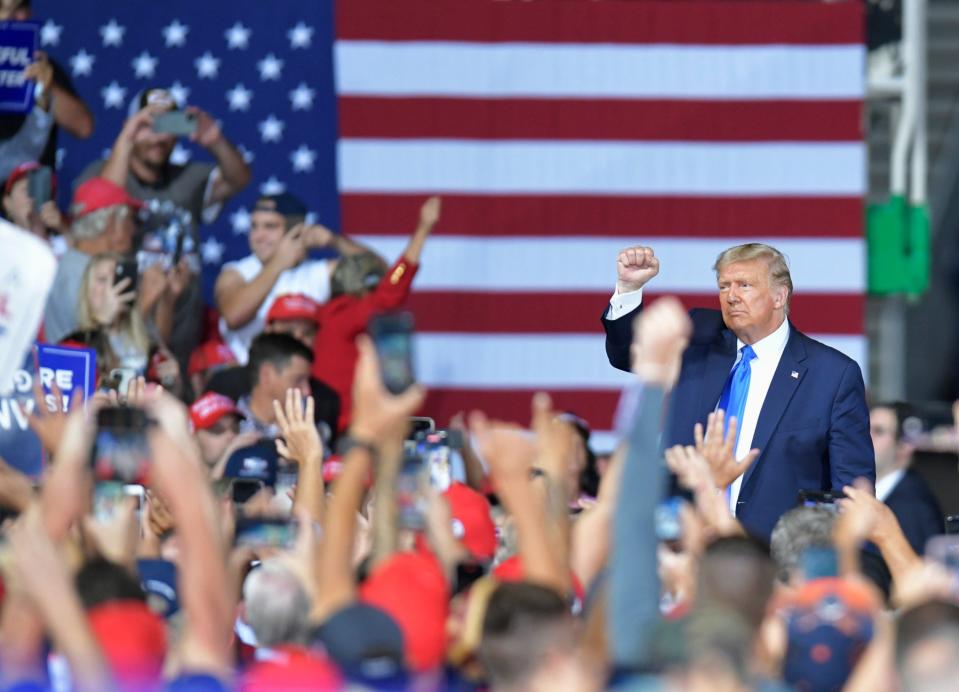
{"x":546,"y":119}
{"x":706,"y":23}
{"x":597,"y":407}
{"x":627,"y":217}
{"x":557,"y":313}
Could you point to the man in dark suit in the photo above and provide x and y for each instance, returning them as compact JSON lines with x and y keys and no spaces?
{"x":799,"y":402}
{"x":902,"y":489}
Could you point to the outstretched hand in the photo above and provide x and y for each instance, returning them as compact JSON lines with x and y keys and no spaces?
{"x":718,"y":448}
{"x":660,"y":335}
{"x":299,"y":439}
{"x":635,"y":266}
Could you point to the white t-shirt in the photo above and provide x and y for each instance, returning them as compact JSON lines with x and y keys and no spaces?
{"x":311,"y":278}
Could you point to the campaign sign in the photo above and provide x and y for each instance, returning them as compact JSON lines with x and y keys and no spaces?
{"x":18,"y":43}
{"x":69,"y":369}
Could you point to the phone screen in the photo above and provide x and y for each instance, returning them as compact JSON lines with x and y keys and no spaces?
{"x":392,"y":335}
{"x":39,"y":185}
{"x":120,"y":450}
{"x":434,"y":450}
{"x":242,"y":489}
{"x":410,"y":486}
{"x":945,"y":551}
{"x":666,"y":518}
{"x":265,"y":533}
{"x":819,"y":562}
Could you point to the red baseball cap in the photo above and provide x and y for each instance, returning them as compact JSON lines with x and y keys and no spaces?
{"x":411,"y":588}
{"x":21,"y":171}
{"x":210,"y":408}
{"x":472,"y":523}
{"x":294,"y":306}
{"x":210,"y":354}
{"x":100,"y":193}
{"x":132,"y":637}
{"x":291,"y":668}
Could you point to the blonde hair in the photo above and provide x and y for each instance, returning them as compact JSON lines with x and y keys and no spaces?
{"x":130,"y":322}
{"x":775,"y":260}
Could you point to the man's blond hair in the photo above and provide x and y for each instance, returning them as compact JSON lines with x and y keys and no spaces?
{"x":775,"y":260}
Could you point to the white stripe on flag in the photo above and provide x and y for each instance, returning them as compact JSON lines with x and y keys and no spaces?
{"x":548,"y":361}
{"x":439,"y":68}
{"x":641,"y":168}
{"x":469,"y":263}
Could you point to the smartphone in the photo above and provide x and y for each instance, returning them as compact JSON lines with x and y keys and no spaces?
{"x":666,"y":517}
{"x":411,"y":483}
{"x":137,"y":491}
{"x":108,"y":496}
{"x":263,"y":532}
{"x":820,"y":498}
{"x":420,"y":424}
{"x":120,"y":379}
{"x":392,"y":335}
{"x":120,"y":450}
{"x":952,"y":524}
{"x":819,"y":562}
{"x":39,"y":185}
{"x":242,"y":489}
{"x":179,"y":123}
{"x":434,"y":449}
{"x":945,"y":551}
{"x":127,"y":269}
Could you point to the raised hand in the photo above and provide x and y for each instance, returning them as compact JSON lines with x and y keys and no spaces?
{"x":377,"y":414}
{"x":115,"y":299}
{"x":300,"y":440}
{"x":718,"y":448}
{"x":430,"y":212}
{"x":207,"y":129}
{"x":660,"y":335}
{"x":635,"y":266}
{"x":292,"y":247}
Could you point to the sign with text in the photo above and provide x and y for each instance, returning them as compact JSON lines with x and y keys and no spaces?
{"x":70,"y":369}
{"x":18,"y":44}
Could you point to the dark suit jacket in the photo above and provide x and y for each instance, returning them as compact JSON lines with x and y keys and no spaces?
{"x":813,"y":428}
{"x":916,"y":509}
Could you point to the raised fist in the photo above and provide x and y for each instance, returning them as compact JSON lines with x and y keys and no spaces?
{"x":635,"y":266}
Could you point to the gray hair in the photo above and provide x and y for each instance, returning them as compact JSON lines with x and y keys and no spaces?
{"x":775,"y":260}
{"x":96,"y":222}
{"x":277,"y":606}
{"x":796,"y":531}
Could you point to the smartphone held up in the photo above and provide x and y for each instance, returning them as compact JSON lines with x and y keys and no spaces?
{"x":392,"y":335}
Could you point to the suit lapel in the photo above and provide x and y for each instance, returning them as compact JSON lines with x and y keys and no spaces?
{"x":786,"y":379}
{"x":719,"y":361}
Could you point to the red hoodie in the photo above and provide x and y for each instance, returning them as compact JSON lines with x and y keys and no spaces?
{"x":344,"y":318}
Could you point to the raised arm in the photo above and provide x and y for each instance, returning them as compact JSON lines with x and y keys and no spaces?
{"x":635,"y":267}
{"x":233,"y":173}
{"x":117,"y":167}
{"x":238,"y":300}
{"x":429,"y":215}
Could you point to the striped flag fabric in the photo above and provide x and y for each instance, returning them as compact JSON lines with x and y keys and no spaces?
{"x":558,"y":133}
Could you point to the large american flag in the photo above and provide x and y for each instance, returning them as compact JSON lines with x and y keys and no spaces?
{"x":557,"y":131}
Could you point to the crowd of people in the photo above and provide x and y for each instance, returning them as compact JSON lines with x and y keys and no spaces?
{"x":249,"y":502}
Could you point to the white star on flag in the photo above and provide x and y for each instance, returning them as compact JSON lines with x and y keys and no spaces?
{"x":82,"y":63}
{"x":302,"y":97}
{"x":211,"y":250}
{"x":179,"y":93}
{"x":301,"y":36}
{"x":144,"y":66}
{"x":270,"y":67}
{"x":247,"y":155}
{"x":112,"y":33}
{"x":239,"y":98}
{"x":303,"y":158}
{"x":240,"y":220}
{"x":207,"y":66}
{"x":50,"y":33}
{"x":271,"y":129}
{"x":113,"y":95}
{"x":311,"y":218}
{"x":180,"y":155}
{"x":272,"y":186}
{"x":175,"y":33}
{"x":237,"y":36}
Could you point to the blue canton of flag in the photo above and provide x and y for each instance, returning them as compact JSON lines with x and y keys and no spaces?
{"x":264,"y":70}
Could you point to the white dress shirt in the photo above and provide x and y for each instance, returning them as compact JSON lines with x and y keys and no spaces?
{"x":769,"y":351}
{"x":888,"y":483}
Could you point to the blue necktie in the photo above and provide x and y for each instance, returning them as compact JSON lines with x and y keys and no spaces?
{"x":733,"y":398}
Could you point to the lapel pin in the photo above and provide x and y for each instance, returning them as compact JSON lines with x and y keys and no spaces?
{"x":794,"y":375}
